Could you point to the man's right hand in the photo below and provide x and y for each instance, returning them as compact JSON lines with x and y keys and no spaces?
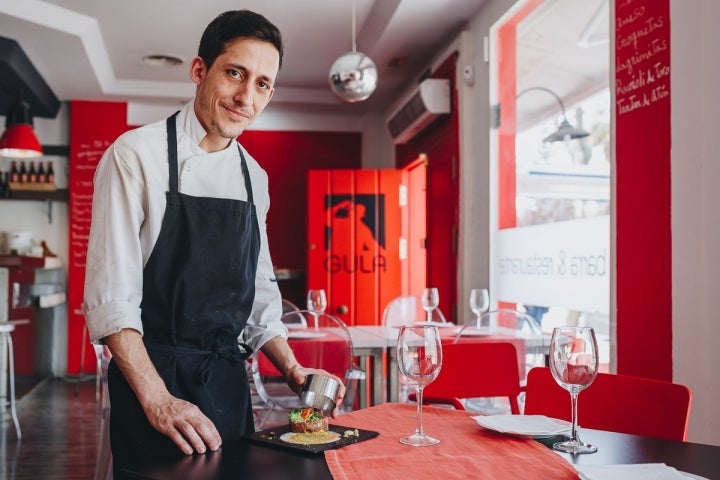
{"x":180,"y":420}
{"x":184,"y":423}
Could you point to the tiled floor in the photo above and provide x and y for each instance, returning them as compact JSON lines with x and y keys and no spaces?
{"x":60,"y":434}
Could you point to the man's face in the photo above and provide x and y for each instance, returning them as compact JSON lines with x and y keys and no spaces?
{"x":233,"y":92}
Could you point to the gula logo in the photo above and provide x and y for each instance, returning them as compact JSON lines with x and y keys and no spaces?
{"x":355,"y":233}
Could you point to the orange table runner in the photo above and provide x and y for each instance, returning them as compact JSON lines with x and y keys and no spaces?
{"x":466,"y":450}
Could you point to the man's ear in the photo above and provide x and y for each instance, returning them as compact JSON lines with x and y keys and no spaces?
{"x":197,"y":70}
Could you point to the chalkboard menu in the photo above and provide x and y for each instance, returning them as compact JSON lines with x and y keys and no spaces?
{"x":643,"y":186}
{"x":93,"y":127}
{"x":642,"y":55}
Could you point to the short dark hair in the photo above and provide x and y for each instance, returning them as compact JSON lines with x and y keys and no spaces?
{"x":234,"y":24}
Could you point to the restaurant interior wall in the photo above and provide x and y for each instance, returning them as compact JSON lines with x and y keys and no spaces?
{"x":440,"y":144}
{"x":695,"y":169}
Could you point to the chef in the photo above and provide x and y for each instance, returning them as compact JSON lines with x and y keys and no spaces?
{"x":179,"y":280}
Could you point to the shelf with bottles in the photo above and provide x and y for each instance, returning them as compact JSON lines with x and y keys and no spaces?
{"x":26,"y":182}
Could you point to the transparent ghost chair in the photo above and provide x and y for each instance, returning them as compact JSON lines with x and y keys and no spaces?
{"x":407,"y":309}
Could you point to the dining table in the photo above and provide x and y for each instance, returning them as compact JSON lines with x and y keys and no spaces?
{"x":466,"y":450}
{"x":384,"y":339}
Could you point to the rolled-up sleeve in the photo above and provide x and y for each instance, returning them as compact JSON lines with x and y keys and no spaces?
{"x":114,"y":261}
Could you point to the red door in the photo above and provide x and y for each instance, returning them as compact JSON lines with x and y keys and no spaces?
{"x":355,"y":252}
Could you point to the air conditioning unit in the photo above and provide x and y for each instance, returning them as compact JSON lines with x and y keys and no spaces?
{"x":429,"y":101}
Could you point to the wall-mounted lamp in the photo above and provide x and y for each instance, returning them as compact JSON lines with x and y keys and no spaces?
{"x":19,"y":139}
{"x":566,"y":131}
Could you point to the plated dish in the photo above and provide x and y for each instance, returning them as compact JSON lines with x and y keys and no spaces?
{"x":316,"y":438}
{"x":278,"y":438}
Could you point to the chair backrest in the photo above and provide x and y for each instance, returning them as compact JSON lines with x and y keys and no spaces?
{"x":522,"y":326}
{"x":288,"y":306}
{"x":406,"y":310}
{"x":324,"y":343}
{"x":292,"y":316}
{"x":618,"y":403}
{"x":476,"y":370}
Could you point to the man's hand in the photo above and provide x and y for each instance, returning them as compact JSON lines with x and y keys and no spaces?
{"x":297,"y":377}
{"x":281,"y":355}
{"x":184,"y":423}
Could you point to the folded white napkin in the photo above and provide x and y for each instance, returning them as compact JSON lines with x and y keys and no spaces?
{"x":530,"y":425}
{"x":640,"y":471}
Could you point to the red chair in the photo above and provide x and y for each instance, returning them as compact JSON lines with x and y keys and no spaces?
{"x":617,"y":403}
{"x":471,"y":370}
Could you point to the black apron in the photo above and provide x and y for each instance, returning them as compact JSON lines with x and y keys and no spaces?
{"x":198,"y":290}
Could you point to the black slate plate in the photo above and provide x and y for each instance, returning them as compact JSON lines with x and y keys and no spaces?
{"x":271,"y":437}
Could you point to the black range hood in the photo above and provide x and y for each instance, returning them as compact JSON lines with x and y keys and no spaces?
{"x":19,"y":78}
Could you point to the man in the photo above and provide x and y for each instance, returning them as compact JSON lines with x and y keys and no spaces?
{"x":178,"y":266}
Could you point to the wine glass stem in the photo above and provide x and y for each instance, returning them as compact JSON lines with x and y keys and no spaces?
{"x":574,"y":414}
{"x":419,"y":396}
{"x":315,"y":317}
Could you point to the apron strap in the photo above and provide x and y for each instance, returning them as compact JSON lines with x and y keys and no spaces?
{"x":246,"y":175}
{"x":172,"y":155}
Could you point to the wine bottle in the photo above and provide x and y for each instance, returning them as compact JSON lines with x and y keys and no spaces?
{"x":4,"y":184}
{"x":32,"y":173}
{"x":14,"y":172}
{"x":41,"y":175}
{"x":23,"y":173}
{"x":50,"y":174}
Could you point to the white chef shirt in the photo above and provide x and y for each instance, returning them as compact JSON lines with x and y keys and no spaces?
{"x":128,"y":207}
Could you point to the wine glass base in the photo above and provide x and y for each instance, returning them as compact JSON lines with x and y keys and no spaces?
{"x":575,"y":447}
{"x":417,"y":440}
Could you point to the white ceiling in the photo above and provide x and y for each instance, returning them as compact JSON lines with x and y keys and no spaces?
{"x":91,"y":49}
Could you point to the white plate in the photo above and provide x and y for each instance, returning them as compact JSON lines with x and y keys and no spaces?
{"x":534,"y":426}
{"x":304,"y":334}
{"x":285,"y":437}
{"x":473,"y":332}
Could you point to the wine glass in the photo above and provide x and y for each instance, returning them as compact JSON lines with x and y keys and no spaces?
{"x":479,"y":301}
{"x":574,"y":365}
{"x":419,"y":354}
{"x":430,"y":301}
{"x":316,"y":301}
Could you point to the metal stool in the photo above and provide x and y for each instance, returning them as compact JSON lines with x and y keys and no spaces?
{"x":6,"y":354}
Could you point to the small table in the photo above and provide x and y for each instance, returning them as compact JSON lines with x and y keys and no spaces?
{"x":387,"y":337}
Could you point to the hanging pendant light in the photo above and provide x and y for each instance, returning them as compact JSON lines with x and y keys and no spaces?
{"x":19,"y":139}
{"x":353,"y":77}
